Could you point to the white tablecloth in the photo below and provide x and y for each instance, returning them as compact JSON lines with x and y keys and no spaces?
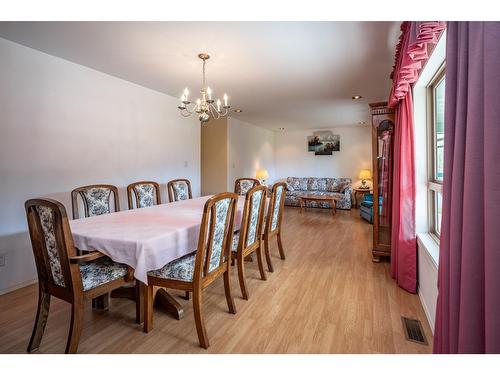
{"x":146,"y":238}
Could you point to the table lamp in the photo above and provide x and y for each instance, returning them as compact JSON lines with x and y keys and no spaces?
{"x":364,"y":175}
{"x":262,"y":175}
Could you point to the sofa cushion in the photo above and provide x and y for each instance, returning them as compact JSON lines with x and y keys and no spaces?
{"x":316,"y":184}
{"x":332,"y":185}
{"x":297,"y":183}
{"x":337,"y":184}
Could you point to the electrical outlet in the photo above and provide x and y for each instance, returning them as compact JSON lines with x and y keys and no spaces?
{"x":185,"y":164}
{"x":2,"y":260}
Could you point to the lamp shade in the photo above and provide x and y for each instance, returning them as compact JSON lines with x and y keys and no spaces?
{"x":261,"y":174}
{"x":365,"y":174}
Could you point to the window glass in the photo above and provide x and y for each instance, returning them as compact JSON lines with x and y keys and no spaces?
{"x":439,"y":130}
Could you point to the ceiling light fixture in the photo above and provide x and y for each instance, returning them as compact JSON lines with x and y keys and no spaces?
{"x":204,"y":107}
{"x":238,"y":110}
{"x":356,"y":97}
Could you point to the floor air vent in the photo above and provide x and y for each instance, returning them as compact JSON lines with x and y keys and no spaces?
{"x":413,"y":330}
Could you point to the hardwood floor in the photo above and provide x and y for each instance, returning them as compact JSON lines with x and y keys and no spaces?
{"x":326,"y":297}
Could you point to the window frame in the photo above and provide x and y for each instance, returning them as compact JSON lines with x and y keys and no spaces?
{"x":434,"y":186}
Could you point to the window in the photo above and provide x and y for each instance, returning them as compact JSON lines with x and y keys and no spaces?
{"x":435,"y":91}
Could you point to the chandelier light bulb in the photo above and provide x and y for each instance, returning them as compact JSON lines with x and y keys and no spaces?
{"x":186,"y":94}
{"x":225,"y":100}
{"x":209,"y":92}
{"x":218,"y":105}
{"x":183,"y":102}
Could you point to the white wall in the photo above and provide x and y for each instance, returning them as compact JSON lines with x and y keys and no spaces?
{"x":249,"y":148}
{"x":428,"y":248}
{"x":293,"y":159}
{"x":63,"y":125}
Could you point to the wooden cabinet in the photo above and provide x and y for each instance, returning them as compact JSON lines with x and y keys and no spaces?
{"x":383,"y":160}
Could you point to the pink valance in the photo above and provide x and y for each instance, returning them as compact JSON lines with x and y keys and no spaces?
{"x":416,"y":43}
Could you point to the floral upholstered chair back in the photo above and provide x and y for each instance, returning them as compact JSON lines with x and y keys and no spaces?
{"x":243,"y":185}
{"x":146,"y":193}
{"x":275,"y":211}
{"x":216,"y":233}
{"x":96,"y":200}
{"x":253,"y":217}
{"x":179,"y":190}
{"x":46,"y":221}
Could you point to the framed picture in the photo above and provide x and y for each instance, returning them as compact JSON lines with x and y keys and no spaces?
{"x":323,"y":143}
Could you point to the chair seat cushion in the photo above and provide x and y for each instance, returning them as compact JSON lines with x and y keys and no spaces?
{"x":101,"y":271}
{"x":367,"y":204}
{"x":181,"y":269}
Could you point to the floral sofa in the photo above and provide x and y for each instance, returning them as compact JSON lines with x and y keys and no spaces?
{"x":336,"y":187}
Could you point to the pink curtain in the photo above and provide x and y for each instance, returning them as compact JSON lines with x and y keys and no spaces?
{"x":403,"y":238}
{"x":416,"y":42}
{"x":468,"y":309}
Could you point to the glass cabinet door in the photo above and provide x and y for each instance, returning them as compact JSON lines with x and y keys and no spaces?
{"x":385,"y":141}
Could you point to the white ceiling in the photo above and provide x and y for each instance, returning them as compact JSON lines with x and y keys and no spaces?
{"x":296,"y":75}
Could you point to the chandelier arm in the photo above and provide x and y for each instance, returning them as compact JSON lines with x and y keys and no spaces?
{"x":217,"y":113}
{"x":190,"y":112}
{"x":211,"y":111}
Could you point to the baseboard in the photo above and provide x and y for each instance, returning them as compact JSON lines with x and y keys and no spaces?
{"x":18,"y":286}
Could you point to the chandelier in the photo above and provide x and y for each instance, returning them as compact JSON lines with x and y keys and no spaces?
{"x":204,"y":107}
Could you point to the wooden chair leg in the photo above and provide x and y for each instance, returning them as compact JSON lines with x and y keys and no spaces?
{"x":260,"y":263}
{"x":186,"y":295}
{"x":227,"y":291}
{"x":148,"y":307}
{"x":101,"y":302}
{"x":139,"y":303}
{"x":240,"y":261}
{"x":198,"y":318}
{"x":268,"y":255}
{"x":280,"y":246}
{"x":40,"y":320}
{"x":75,"y":329}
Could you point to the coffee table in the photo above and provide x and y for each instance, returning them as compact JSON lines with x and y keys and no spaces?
{"x":318,"y":198}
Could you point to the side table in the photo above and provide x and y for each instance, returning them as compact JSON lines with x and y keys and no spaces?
{"x":361,"y":192}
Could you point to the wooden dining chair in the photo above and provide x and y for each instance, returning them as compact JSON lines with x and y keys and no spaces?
{"x":179,"y":190}
{"x":243,"y":185}
{"x":96,"y":200}
{"x":248,"y":239}
{"x":196,"y":271}
{"x":63,"y":274}
{"x":145,"y":193}
{"x":272,"y":226}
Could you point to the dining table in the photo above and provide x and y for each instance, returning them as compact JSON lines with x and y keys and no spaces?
{"x":147,"y":238}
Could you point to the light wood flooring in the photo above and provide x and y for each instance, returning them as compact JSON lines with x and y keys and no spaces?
{"x":326,"y":297}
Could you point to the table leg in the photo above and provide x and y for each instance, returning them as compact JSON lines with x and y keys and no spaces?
{"x":165,"y":301}
{"x":334,"y":207}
